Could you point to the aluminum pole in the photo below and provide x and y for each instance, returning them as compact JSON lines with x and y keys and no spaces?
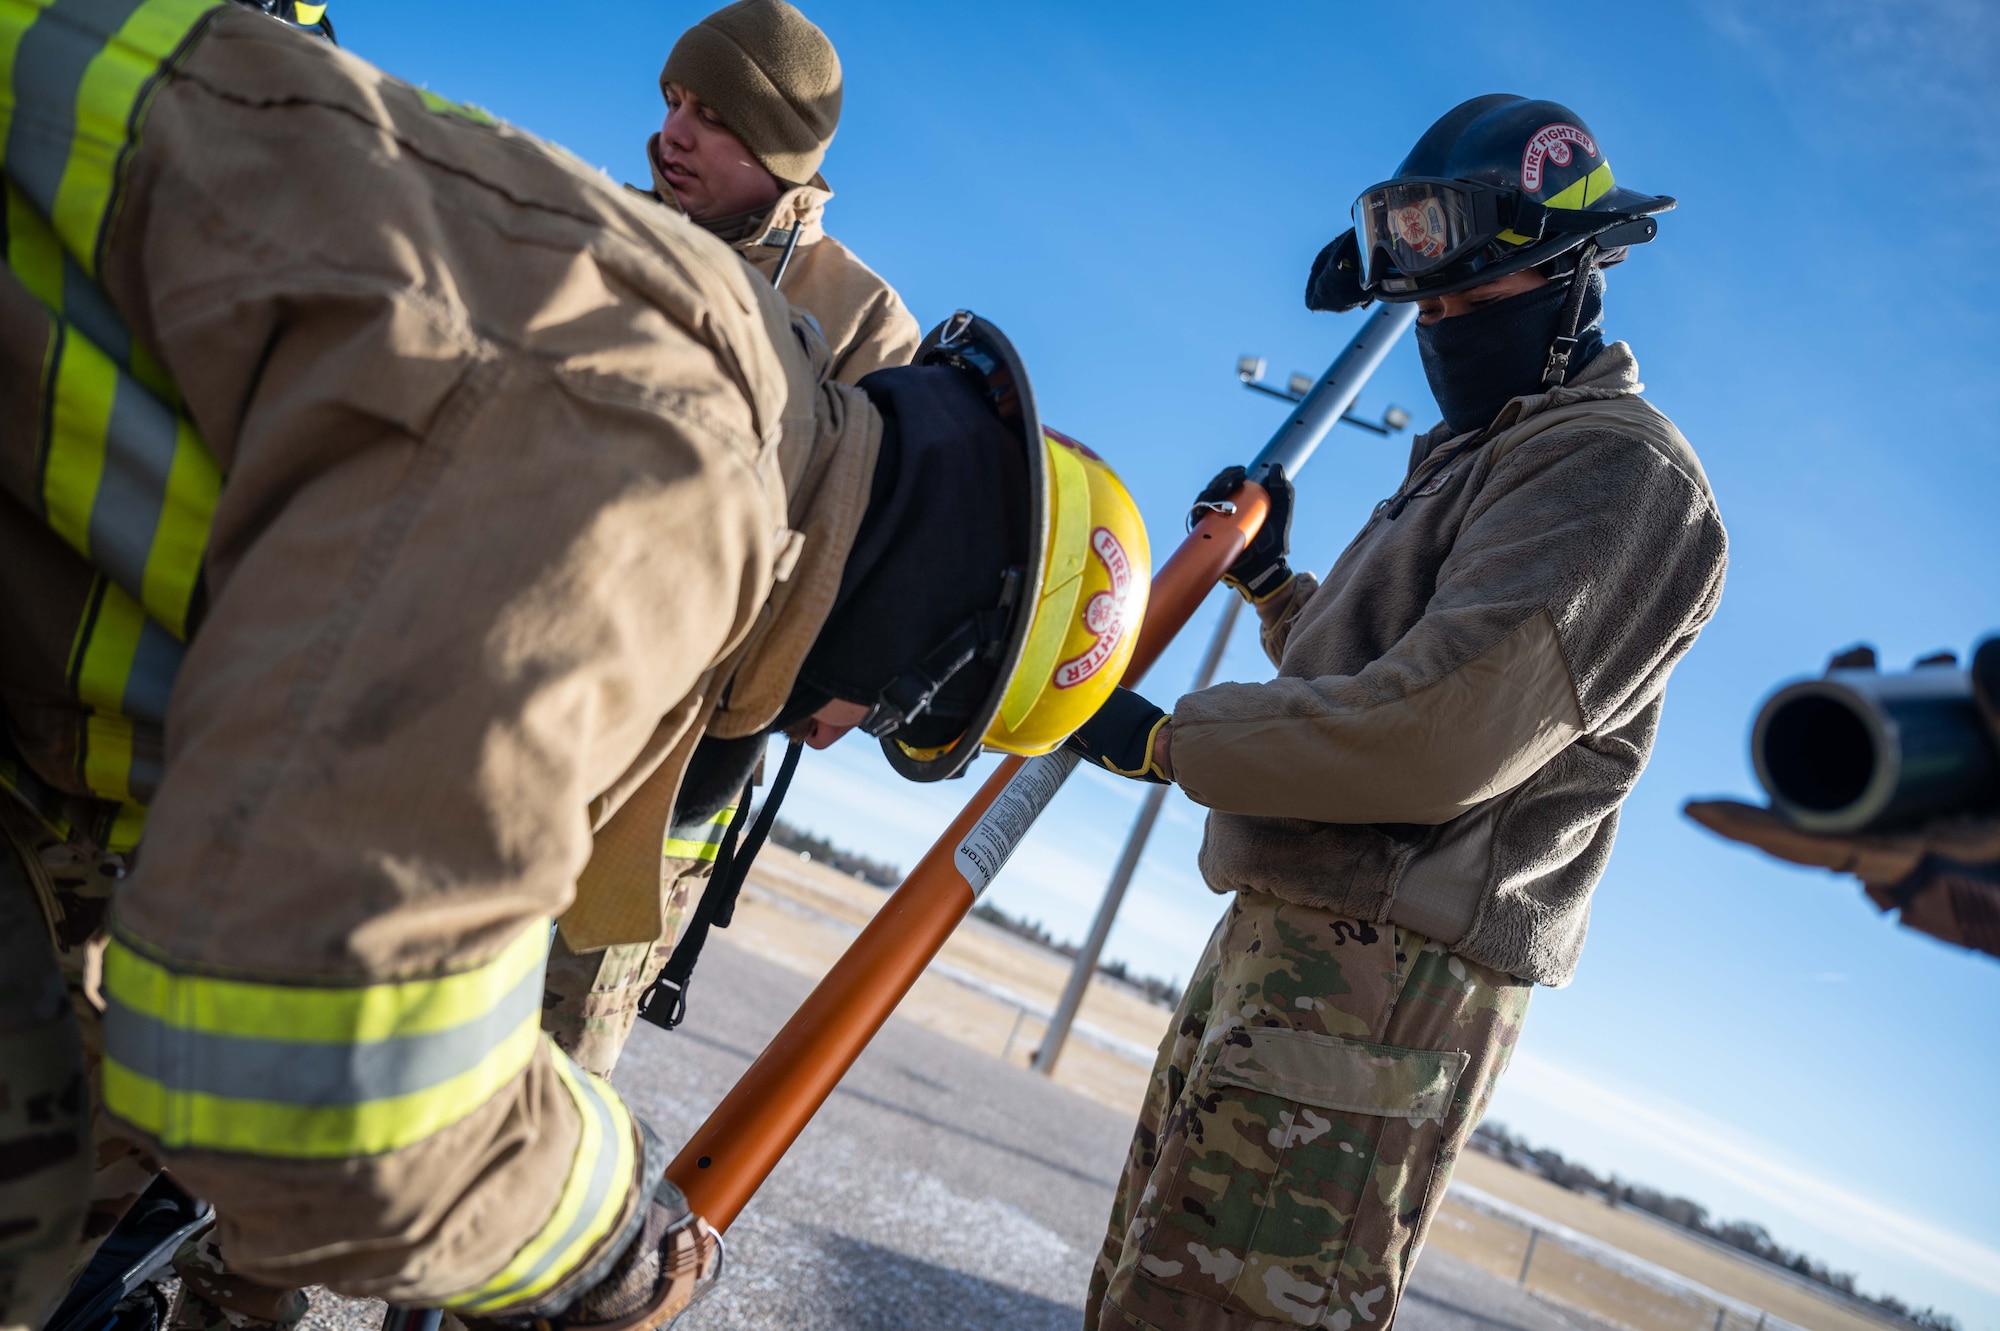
{"x":1336,"y":390}
{"x":1121,"y":877}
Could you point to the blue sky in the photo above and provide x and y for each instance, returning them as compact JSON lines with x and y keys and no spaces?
{"x":1134,"y":193}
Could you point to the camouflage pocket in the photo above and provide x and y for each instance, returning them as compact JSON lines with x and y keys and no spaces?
{"x":1349,"y":1075}
{"x":1288,"y":1137}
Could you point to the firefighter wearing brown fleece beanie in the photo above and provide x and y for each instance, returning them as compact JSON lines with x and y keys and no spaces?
{"x":773,"y":78}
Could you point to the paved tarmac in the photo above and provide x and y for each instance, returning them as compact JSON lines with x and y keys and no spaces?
{"x":939,"y":1188}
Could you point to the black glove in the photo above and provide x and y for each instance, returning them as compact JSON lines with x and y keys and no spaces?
{"x":1335,"y":281}
{"x":1119,"y":737}
{"x":1260,"y":572}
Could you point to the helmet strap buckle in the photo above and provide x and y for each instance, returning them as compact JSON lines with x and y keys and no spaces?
{"x":910,"y":694}
{"x":1557,"y":366}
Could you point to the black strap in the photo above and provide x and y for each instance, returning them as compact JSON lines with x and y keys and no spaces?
{"x":785,"y":259}
{"x":1557,"y":368}
{"x":665,"y":1003}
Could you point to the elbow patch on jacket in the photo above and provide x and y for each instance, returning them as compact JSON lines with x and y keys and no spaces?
{"x":1426,"y":757}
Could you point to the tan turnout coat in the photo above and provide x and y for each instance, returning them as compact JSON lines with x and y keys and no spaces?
{"x":866,"y":325}
{"x":519,"y":468}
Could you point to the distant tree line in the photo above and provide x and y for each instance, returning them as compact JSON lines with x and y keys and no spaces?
{"x":1164,"y":992}
{"x":1744,"y":1235}
{"x":824,"y":851}
{"x":794,"y":838}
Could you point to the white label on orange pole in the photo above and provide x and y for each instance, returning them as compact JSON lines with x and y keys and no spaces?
{"x":990,"y":843}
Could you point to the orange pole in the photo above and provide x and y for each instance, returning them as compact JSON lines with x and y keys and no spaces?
{"x":731,"y":1154}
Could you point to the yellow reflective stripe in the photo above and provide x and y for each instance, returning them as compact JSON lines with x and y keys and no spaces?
{"x":1582,"y":193}
{"x":108,"y":644}
{"x":85,"y":381}
{"x":127,"y":826}
{"x":705,"y":847}
{"x":1513,"y":237}
{"x":308,"y":14}
{"x":13,"y":24}
{"x":125,"y":481}
{"x":592,"y":1202}
{"x":173,"y":564}
{"x":107,"y":107}
{"x":332,"y":1015}
{"x":199,"y":1120}
{"x":84,"y":385}
{"x":1062,"y":583}
{"x":107,"y":755}
{"x":36,"y":256}
{"x":122,"y":666}
{"x":463,"y":110}
{"x":314,"y":1072}
{"x":33,"y":251}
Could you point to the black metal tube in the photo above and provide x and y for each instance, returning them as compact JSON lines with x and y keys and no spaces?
{"x":1859,"y":750}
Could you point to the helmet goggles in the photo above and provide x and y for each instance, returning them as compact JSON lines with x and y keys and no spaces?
{"x":1412,"y":228}
{"x":1420,"y":234}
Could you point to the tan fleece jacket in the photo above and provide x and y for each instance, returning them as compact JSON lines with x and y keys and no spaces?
{"x":518,"y":469}
{"x":866,"y":325}
{"x":1462,"y":706}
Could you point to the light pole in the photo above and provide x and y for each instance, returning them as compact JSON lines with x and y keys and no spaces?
{"x":1292,"y":445}
{"x":1121,"y":877}
{"x":1250,"y":373}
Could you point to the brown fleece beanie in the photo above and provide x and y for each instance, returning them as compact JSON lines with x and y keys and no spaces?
{"x":771,"y":75}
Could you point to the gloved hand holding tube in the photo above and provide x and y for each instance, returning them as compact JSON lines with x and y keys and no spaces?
{"x":1260,"y":572}
{"x":1127,"y":735}
{"x":1133,"y":736}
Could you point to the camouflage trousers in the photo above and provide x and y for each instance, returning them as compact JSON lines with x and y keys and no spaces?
{"x":67,"y":1171}
{"x":45,"y":1163}
{"x":590,"y":1001}
{"x":1301,"y":1125}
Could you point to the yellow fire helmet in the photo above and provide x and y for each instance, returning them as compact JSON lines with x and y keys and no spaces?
{"x":1075,"y":614}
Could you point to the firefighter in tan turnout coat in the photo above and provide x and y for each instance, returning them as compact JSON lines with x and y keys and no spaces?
{"x":753,"y":94}
{"x":1412,"y":815}
{"x":387,"y":505}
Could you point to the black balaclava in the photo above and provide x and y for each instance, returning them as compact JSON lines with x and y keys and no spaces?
{"x":947,"y":515}
{"x":1478,"y":362}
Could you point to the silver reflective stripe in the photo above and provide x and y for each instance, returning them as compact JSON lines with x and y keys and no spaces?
{"x":154,"y":666}
{"x":138,"y":456}
{"x":311,"y":1072}
{"x":86,"y":306}
{"x":48,"y":71}
{"x":149,"y":758}
{"x":604,"y":1176}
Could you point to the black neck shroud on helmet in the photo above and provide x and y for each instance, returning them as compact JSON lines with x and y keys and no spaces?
{"x":947,"y":526}
{"x":1479,"y":361}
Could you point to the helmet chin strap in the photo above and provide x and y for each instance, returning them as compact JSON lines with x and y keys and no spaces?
{"x":1557,"y":369}
{"x":909,"y":695}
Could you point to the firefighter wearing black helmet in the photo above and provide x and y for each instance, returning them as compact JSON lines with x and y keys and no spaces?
{"x":1411,"y":818}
